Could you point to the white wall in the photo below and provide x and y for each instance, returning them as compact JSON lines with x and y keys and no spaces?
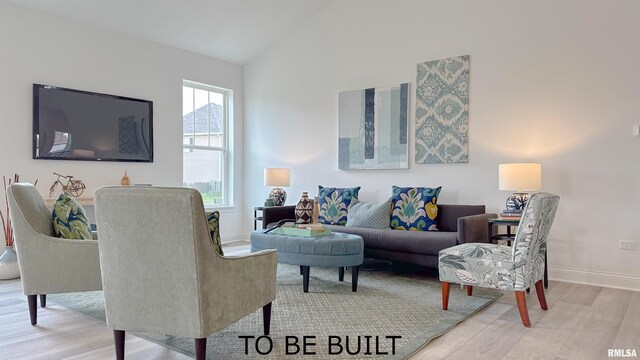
{"x":39,"y":48}
{"x":551,"y":81}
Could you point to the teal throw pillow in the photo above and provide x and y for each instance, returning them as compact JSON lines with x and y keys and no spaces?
{"x":334,"y":204}
{"x":213,"y":218}
{"x":69,"y":219}
{"x":415,"y":208}
{"x":370,"y":215}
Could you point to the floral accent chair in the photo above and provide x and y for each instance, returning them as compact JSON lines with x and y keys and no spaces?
{"x":502,"y":267}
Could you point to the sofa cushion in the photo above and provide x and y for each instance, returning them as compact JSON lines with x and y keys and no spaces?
{"x":69,"y":219}
{"x":415,"y":208}
{"x":334,"y":204}
{"x":369,"y":215}
{"x":419,"y":242}
{"x":213,"y":218}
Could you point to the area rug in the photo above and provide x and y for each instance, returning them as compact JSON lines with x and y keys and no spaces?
{"x":393,"y":315}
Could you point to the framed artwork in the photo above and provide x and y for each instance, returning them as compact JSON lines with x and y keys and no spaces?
{"x":442,"y":111}
{"x":372,"y":131}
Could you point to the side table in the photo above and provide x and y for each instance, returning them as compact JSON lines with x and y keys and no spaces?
{"x":509,"y":236}
{"x":257,"y":218}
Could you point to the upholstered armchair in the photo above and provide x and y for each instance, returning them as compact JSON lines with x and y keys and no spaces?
{"x":48,"y":264}
{"x":502,"y":267}
{"x":161,"y":273}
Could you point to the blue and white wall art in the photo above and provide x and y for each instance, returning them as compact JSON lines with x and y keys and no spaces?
{"x":442,"y":111}
{"x":372,"y":131}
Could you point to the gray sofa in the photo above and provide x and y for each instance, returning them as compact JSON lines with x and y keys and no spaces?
{"x":457,"y":224}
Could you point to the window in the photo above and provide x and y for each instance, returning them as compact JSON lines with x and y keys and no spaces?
{"x":205,"y":141}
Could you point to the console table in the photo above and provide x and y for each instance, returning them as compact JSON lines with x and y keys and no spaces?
{"x":509,"y":236}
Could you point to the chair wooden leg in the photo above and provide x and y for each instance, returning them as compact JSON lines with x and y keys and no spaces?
{"x":445,"y":295}
{"x":540,"y":291}
{"x":341,"y":273}
{"x":521,"y":299}
{"x":118,"y":337}
{"x":33,"y":308}
{"x":469,"y":290}
{"x":43,"y":300}
{"x":266,"y":318}
{"x":355,"y":270}
{"x":201,"y":348}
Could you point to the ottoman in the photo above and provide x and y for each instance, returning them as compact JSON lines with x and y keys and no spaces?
{"x":338,"y":249}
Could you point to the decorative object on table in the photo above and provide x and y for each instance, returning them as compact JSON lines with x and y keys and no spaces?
{"x":442,"y":111}
{"x":8,"y":260}
{"x":304,"y":230}
{"x":213,"y":218}
{"x":316,"y":210}
{"x":70,"y":219}
{"x":372,"y":131}
{"x":415,"y":208}
{"x":277,"y":177}
{"x":304,"y":209}
{"x":73,"y":187}
{"x":334,"y":204}
{"x":125,"y":179}
{"x":519,"y":178}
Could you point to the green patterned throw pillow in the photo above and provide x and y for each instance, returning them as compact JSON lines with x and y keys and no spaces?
{"x":415,"y":208}
{"x":334,"y":204}
{"x":213,"y":218}
{"x":69,"y":219}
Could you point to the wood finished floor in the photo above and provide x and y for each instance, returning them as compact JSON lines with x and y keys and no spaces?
{"x":582,"y":322}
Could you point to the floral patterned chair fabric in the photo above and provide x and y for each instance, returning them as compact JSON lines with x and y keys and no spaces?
{"x":502,"y":267}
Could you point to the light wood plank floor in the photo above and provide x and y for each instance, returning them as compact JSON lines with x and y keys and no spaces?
{"x":582,"y":322}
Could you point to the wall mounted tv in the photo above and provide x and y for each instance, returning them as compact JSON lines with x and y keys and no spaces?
{"x":79,"y":125}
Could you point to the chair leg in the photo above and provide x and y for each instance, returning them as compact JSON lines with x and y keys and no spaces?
{"x":43,"y":300}
{"x":118,"y":337}
{"x":445,"y":295}
{"x":521,"y":299}
{"x":201,"y":348}
{"x":33,"y":308}
{"x":469,"y":290}
{"x":266,"y":318}
{"x":341,"y":273}
{"x":355,"y":270}
{"x":540,"y":291}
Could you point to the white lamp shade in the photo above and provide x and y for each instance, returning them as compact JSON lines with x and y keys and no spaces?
{"x":520,"y":177}
{"x":277,"y":177}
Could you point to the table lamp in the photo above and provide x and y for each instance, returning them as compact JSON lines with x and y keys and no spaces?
{"x":276,"y":177}
{"x":519,"y":178}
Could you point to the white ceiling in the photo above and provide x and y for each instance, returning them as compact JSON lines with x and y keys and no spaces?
{"x":232,"y":30}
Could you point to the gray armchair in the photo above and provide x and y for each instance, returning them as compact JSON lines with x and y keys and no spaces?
{"x":161,"y":273}
{"x":48,"y":264}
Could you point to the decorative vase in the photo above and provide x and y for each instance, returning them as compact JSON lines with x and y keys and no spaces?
{"x":125,"y":181}
{"x":304,"y":209}
{"x":9,"y":264}
{"x":278,"y":196}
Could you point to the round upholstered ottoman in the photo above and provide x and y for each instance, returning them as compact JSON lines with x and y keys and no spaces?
{"x":338,"y":249}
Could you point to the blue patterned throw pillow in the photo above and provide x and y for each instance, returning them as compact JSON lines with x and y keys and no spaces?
{"x":213,"y":218}
{"x":69,"y":219}
{"x":415,"y":208}
{"x":334,"y":204}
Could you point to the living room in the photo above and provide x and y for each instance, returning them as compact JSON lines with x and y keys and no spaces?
{"x":549,"y":82}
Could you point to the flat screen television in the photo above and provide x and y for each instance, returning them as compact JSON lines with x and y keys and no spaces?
{"x":80,"y":125}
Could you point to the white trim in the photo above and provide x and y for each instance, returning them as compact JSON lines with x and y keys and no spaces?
{"x":597,"y":278}
{"x":235,"y":239}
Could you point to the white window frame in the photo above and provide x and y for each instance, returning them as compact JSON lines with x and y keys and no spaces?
{"x":227,"y":132}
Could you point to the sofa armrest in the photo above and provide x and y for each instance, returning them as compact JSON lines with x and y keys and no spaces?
{"x":474,"y":228}
{"x":273,"y":214}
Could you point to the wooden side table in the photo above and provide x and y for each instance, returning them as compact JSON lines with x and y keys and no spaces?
{"x":509,"y":236}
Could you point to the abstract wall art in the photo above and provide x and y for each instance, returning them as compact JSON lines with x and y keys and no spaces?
{"x":442,"y":111}
{"x":372,"y":131}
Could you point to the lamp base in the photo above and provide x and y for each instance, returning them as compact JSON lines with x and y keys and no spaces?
{"x":517,"y":201}
{"x":278,"y":196}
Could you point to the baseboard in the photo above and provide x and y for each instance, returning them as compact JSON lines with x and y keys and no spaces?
{"x":234,"y":239}
{"x":597,"y":278}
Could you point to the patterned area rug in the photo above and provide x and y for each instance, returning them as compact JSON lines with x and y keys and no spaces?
{"x":389,"y":303}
